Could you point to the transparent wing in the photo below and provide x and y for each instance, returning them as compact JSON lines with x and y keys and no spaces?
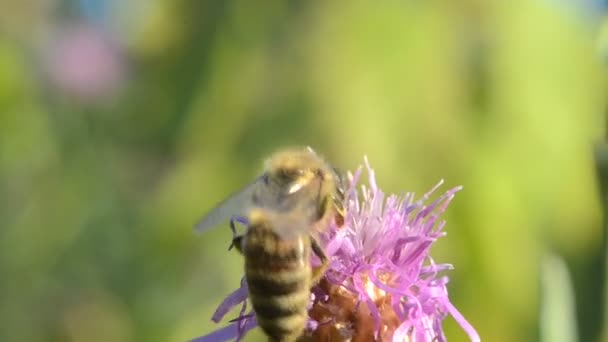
{"x":289,"y":226}
{"x":236,"y":204}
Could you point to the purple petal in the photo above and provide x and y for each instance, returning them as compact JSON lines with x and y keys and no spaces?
{"x":466,"y":326}
{"x":379,"y":284}
{"x":401,"y":332}
{"x":226,"y":333}
{"x":244,"y":327}
{"x":372,"y":176}
{"x":238,"y":296}
{"x":428,"y":194}
{"x":370,"y":303}
{"x":439,"y":336}
{"x":335,"y":244}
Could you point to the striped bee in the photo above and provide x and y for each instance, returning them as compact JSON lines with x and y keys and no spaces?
{"x":297,"y":196}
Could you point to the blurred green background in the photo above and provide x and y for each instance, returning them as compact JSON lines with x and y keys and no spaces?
{"x":122,"y":122}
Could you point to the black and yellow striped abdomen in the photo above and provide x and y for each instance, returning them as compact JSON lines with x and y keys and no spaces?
{"x":278,"y":275}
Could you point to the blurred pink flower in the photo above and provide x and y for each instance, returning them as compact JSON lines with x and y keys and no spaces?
{"x":379,"y":258}
{"x":83,"y":62}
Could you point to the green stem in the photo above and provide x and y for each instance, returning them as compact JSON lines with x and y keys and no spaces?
{"x":601,"y":162}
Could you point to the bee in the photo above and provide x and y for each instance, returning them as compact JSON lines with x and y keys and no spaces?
{"x":296,"y":197}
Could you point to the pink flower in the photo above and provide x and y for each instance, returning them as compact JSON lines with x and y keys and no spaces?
{"x":381,"y":284}
{"x":85,"y":63}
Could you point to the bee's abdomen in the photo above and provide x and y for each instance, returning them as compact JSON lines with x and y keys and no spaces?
{"x":278,"y":277}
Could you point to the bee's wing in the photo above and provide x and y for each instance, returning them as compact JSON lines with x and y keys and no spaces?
{"x":289,"y":226}
{"x":236,"y":204}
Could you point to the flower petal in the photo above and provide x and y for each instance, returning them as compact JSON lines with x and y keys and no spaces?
{"x":236,"y":297}
{"x":401,"y":332}
{"x":224,"y":334}
{"x":466,"y":326}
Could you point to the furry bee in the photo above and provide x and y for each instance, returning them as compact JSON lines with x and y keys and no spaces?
{"x":298,"y":194}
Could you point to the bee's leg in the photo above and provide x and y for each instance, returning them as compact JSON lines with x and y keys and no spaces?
{"x":322,"y":208}
{"x":339,"y":196}
{"x":318,"y":272}
{"x":339,"y":206}
{"x":236,"y":239}
{"x":236,"y":243}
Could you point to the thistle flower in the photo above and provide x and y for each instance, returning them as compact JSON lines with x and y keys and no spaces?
{"x":381,"y":283}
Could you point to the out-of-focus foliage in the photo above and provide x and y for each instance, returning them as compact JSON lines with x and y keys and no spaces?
{"x":122,"y":122}
{"x":557,"y":310}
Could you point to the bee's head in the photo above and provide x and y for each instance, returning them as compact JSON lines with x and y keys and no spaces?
{"x":293,"y":169}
